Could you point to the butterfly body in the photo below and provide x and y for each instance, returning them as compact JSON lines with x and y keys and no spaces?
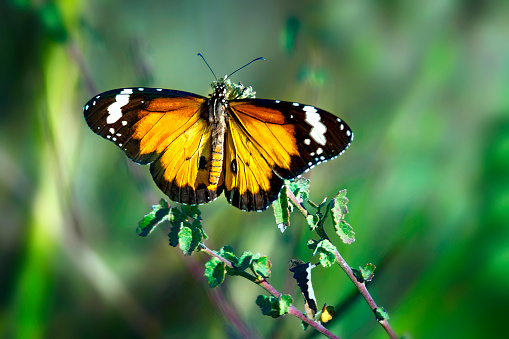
{"x":230,"y":142}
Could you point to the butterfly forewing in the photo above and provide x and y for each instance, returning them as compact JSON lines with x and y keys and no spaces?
{"x":142,"y":121}
{"x":294,"y":137}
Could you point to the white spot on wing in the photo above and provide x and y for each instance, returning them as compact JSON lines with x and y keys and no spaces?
{"x":348,"y":133}
{"x":310,"y":109}
{"x":319,"y":151}
{"x":115,"y":109}
{"x":307,"y":141}
{"x":141,"y":89}
{"x":295,"y":104}
{"x":124,"y":123}
{"x":86,"y":107}
{"x":159,"y":89}
{"x":112,"y":130}
{"x":342,"y":127}
{"x":277,"y":101}
{"x":318,"y":129}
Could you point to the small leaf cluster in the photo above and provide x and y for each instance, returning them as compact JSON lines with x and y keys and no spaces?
{"x":274,"y":307}
{"x":186,"y":227}
{"x":216,"y":269}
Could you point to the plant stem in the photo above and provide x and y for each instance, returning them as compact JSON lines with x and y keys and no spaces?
{"x":269,"y":288}
{"x":344,"y":265}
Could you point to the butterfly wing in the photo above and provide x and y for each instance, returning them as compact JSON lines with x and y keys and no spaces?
{"x":163,"y":128}
{"x":269,"y":141}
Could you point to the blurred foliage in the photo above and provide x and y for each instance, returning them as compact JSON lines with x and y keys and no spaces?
{"x":422,"y":84}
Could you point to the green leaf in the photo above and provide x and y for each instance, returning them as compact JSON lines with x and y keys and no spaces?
{"x":261,"y":267}
{"x":245,"y":261}
{"x":339,"y":210}
{"x":272,"y":306}
{"x":282,"y":210}
{"x":214,"y":271}
{"x":313,"y":221}
{"x":339,"y":201}
{"x":326,"y":250}
{"x":191,"y":211}
{"x":345,"y":232}
{"x":189,"y":239}
{"x":367,"y":272}
{"x":174,"y":234}
{"x":300,"y":188}
{"x":285,"y":301}
{"x":227,"y":253}
{"x":149,"y":222}
{"x":381,"y":314}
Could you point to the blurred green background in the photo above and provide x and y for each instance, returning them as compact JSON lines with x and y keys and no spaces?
{"x":423,"y":84}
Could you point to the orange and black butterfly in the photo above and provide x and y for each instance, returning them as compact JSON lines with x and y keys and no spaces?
{"x":230,"y":142}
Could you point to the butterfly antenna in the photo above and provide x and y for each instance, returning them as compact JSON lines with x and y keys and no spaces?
{"x":260,"y":58}
{"x":206,"y":63}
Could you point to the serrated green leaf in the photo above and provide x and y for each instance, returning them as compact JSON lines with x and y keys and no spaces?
{"x":149,"y":222}
{"x":268,"y":305}
{"x":368,"y":271}
{"x":282,"y":210}
{"x":357,"y":274}
{"x":227,"y":253}
{"x":345,"y":232}
{"x":261,"y":266}
{"x":285,"y":301}
{"x":214,"y":271}
{"x":339,"y":210}
{"x":189,"y":239}
{"x":191,"y":211}
{"x":381,"y":314}
{"x":185,"y":239}
{"x":174,"y":234}
{"x":245,"y":260}
{"x":300,"y":188}
{"x":313,"y":221}
{"x":272,"y":306}
{"x":340,"y":200}
{"x":325,"y":249}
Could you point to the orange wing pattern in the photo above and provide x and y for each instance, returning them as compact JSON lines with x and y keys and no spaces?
{"x":164,"y":128}
{"x":265,"y":141}
{"x":269,"y":141}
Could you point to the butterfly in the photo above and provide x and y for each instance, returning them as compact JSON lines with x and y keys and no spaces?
{"x":199,"y":147}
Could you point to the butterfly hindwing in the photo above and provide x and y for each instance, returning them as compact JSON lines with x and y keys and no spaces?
{"x":164,"y":128}
{"x":250,"y":183}
{"x":182,"y":172}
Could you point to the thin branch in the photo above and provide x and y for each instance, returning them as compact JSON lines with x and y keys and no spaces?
{"x":344,"y":265}
{"x":269,"y":288}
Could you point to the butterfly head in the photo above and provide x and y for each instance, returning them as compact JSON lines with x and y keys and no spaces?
{"x":231,"y":90}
